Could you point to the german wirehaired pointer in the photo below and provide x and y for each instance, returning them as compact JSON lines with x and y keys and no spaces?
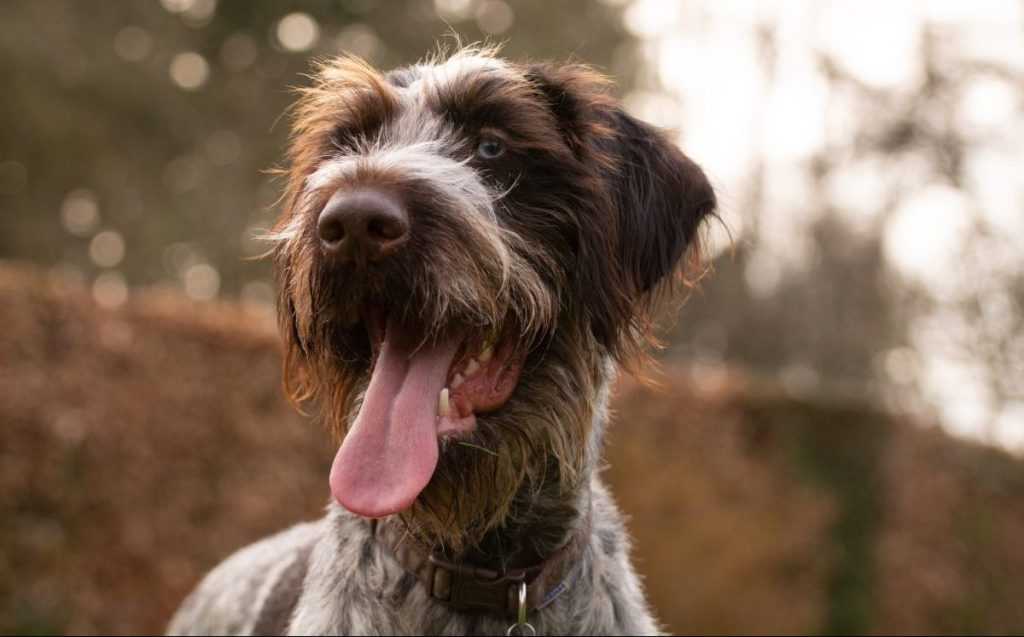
{"x":467,"y":249}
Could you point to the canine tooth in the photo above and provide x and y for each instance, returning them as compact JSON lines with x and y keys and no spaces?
{"x":457,"y":381}
{"x":487,"y":353}
{"x":472,"y":366}
{"x":442,"y":402}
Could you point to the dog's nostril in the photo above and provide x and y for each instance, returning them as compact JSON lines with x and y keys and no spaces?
{"x":385,"y":229}
{"x":362,"y":224}
{"x":331,"y":229}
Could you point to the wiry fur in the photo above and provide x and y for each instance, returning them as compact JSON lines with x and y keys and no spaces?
{"x":562,"y":245}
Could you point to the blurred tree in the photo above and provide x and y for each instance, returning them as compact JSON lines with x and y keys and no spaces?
{"x":139,"y":133}
{"x":799,"y":293}
{"x":890,"y":255}
{"x":824,"y":322}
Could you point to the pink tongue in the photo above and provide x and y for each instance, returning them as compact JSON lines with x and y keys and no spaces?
{"x":390,"y":452}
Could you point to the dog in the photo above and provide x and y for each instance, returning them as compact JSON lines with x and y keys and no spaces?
{"x":468,"y":249}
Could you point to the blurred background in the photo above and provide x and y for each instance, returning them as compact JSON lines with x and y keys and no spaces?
{"x":834,"y":444}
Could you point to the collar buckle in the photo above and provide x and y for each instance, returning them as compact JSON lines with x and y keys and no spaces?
{"x":468,"y":587}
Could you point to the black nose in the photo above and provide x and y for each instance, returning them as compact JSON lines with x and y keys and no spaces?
{"x":362,"y":225}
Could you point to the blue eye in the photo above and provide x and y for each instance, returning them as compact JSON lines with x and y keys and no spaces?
{"x":490,"y":148}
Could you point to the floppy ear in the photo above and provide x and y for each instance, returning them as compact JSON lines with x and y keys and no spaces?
{"x":661,"y":195}
{"x":646,"y":207}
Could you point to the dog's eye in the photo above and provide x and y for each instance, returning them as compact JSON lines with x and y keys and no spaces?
{"x":490,"y":148}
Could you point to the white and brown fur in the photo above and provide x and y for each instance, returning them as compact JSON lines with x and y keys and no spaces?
{"x":565,"y":241}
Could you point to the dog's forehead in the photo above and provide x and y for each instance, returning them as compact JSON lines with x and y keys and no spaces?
{"x":457,"y":69}
{"x":415,"y":84}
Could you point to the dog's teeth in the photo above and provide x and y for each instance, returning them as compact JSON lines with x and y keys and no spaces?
{"x":442,"y":402}
{"x":487,"y":353}
{"x":472,"y":366}
{"x":457,"y":381}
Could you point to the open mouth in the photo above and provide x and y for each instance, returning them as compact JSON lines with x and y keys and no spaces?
{"x":420,"y":389}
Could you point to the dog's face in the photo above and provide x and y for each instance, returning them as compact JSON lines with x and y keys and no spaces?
{"x":464,"y":244}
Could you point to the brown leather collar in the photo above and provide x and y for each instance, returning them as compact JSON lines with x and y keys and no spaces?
{"x":464,"y":586}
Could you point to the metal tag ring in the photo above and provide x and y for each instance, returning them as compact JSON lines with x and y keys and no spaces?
{"x":523,"y":626}
{"x":522,"y":629}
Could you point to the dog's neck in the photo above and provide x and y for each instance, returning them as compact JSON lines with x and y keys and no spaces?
{"x":465,"y":584}
{"x":529,"y":558}
{"x":541,"y":524}
{"x":536,"y":528}
{"x":533,"y":536}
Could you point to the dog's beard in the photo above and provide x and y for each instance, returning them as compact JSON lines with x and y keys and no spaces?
{"x":523,"y":463}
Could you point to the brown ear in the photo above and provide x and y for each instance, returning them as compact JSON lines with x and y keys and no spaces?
{"x":661,"y":195}
{"x":646,"y":207}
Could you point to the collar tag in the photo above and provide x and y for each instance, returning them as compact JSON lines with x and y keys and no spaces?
{"x":551,"y":595}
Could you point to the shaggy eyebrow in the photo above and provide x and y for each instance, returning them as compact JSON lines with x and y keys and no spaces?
{"x":363,"y":112}
{"x":483,"y":98}
{"x":348,"y":96}
{"x":473,"y":97}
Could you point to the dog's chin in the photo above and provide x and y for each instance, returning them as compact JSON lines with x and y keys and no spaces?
{"x":480,"y":476}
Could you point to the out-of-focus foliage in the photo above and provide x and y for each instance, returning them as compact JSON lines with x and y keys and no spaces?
{"x":868,"y":157}
{"x":752,"y":512}
{"x":138,"y":134}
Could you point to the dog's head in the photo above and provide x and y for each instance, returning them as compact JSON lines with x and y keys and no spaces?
{"x":464,"y":244}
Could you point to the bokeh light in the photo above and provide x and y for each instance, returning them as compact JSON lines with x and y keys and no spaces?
{"x":176,"y":6}
{"x":195,"y":13}
{"x":80,"y":214}
{"x":924,"y":231}
{"x":454,"y":10}
{"x":298,"y":32}
{"x":494,"y":17}
{"x":201,"y":281}
{"x":110,"y":290}
{"x":189,"y":70}
{"x":107,"y":248}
